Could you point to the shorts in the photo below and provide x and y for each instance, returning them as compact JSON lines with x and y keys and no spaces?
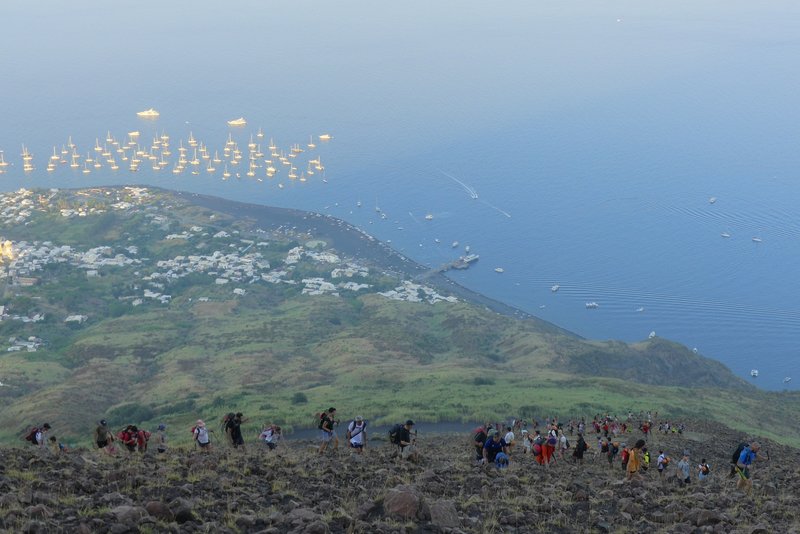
{"x":270,"y":445}
{"x":407,"y":451}
{"x":356,"y":445}
{"x":102,"y":444}
{"x":204,"y":445}
{"x":325,"y":436}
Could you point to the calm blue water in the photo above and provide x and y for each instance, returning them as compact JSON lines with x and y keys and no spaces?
{"x":602,"y":130}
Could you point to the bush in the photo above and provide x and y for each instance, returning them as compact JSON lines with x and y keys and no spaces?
{"x":130,"y":413}
{"x":483,"y":381}
{"x":299,"y":398}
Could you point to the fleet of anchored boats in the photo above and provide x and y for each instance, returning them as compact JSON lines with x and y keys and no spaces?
{"x":258,"y":160}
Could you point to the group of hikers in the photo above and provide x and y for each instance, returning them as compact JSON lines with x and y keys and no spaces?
{"x":494,"y":444}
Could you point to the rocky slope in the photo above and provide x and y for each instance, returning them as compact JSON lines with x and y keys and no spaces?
{"x":294,"y":490}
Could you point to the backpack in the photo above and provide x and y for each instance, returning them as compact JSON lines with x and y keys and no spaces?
{"x":537,"y":449}
{"x":394,"y":434}
{"x":32,"y":435}
{"x":738,"y":452}
{"x":321,"y":417}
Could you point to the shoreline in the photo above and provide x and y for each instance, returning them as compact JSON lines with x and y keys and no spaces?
{"x":355,"y":242}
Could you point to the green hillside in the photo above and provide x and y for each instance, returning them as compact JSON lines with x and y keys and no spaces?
{"x":185,"y":312}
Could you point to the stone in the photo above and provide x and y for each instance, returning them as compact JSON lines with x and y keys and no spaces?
{"x":128,"y":514}
{"x":184,"y":514}
{"x":160,"y":511}
{"x":444,"y":514}
{"x":708,"y":517}
{"x":402,"y":502}
{"x":317,"y":527}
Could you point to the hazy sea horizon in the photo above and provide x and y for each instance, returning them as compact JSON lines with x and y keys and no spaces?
{"x":603,"y":149}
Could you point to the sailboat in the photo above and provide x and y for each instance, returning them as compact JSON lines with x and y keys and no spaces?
{"x":311,"y":142}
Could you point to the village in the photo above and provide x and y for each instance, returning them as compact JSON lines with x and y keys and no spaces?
{"x":234,"y":262}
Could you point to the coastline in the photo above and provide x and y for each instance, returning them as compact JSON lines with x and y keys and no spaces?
{"x":355,"y":242}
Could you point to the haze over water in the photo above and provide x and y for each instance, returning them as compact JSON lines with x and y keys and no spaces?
{"x":602,"y":130}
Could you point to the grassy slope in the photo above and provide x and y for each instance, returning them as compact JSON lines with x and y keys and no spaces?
{"x":386,"y":360}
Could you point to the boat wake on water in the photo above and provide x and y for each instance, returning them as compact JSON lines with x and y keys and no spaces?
{"x":473,"y":193}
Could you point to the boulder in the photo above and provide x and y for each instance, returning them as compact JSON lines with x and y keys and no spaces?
{"x":402,"y":502}
{"x":444,"y":514}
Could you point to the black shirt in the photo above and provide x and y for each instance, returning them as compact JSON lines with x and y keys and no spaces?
{"x":404,"y":435}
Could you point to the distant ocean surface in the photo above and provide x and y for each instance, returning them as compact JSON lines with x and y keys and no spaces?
{"x":604,"y":149}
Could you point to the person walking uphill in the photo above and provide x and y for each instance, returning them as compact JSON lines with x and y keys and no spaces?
{"x":234,"y":429}
{"x":326,"y":422}
{"x":407,"y":443}
{"x":357,"y":434}
{"x":495,"y":449}
{"x":748,"y":455}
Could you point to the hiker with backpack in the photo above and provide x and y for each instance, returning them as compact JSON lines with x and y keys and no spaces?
{"x":327,"y":420}
{"x":580,"y":447}
{"x":36,"y":435}
{"x":662,"y":463}
{"x":104,"y":438}
{"x":201,"y":436}
{"x":271,"y":435}
{"x":684,"y":468}
{"x":233,"y":428}
{"x":479,"y":436}
{"x":128,"y":436}
{"x":748,"y":454}
{"x":493,"y":447}
{"x":635,"y":456}
{"x":703,"y":470}
{"x":142,"y":439}
{"x":357,"y":434}
{"x":401,"y":436}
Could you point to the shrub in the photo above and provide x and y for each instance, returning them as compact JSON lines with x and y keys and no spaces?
{"x":483,"y":381}
{"x":299,"y":398}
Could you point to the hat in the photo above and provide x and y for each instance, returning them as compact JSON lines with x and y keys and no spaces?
{"x":103,"y":422}
{"x":46,"y":426}
{"x":359,"y":418}
{"x":162,"y":426}
{"x":409,"y":423}
{"x":331,"y":409}
{"x":200,"y":422}
{"x":524,"y":431}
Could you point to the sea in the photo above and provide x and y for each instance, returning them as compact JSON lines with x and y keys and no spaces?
{"x":642,"y":156}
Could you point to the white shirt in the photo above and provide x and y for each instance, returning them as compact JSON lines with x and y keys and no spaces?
{"x":269,"y":436}
{"x":509,"y":437}
{"x":357,"y":432}
{"x":201,"y":434}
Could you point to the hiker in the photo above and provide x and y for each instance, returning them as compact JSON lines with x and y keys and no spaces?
{"x":234,"y":429}
{"x":509,"y":439}
{"x":662,"y":463}
{"x":479,"y":436}
{"x":161,"y":438}
{"x":613,"y":450}
{"x":683,"y":469}
{"x":201,"y":436}
{"x":645,"y":464}
{"x":271,"y":435}
{"x":227,"y":422}
{"x":549,"y":446}
{"x":357,"y":434}
{"x":142,"y":438}
{"x":326,"y":422}
{"x":526,"y":442}
{"x":746,"y":458}
{"x":493,"y":447}
{"x":624,"y":455}
{"x":563,"y":444}
{"x":408,"y":448}
{"x":36,"y":436}
{"x":56,"y":447}
{"x":634,"y":463}
{"x":703,"y":470}
{"x":580,"y":447}
{"x":104,"y":438}
{"x":128,"y":437}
